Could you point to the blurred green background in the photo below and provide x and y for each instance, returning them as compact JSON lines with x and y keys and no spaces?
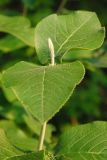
{"x":89,"y":101}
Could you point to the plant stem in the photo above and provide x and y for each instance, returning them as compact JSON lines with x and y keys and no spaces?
{"x":25,"y":11}
{"x":62,"y":4}
{"x":42,"y":136}
{"x":43,"y":129}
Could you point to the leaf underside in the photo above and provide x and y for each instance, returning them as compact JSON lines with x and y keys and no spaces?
{"x":79,"y":30}
{"x":84,"y":142}
{"x":43,"y":90}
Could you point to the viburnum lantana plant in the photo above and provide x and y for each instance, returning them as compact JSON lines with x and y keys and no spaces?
{"x":44,"y":89}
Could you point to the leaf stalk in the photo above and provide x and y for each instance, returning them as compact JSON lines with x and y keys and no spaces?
{"x":42,"y":136}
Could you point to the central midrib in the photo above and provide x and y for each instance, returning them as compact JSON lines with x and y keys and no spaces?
{"x":42,"y":96}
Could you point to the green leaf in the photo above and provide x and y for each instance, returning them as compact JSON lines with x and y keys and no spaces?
{"x":43,"y":90}
{"x":78,"y":30}
{"x":84,"y":142}
{"x":19,"y":27}
{"x":30,"y":156}
{"x":6,"y":149}
{"x":10,"y":43}
{"x":9,"y":152}
{"x":17,"y":137}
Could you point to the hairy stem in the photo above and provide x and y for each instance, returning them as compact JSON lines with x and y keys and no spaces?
{"x":42,"y":136}
{"x":43,"y":129}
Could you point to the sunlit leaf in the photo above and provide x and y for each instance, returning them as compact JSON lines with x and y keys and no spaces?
{"x":84,"y":142}
{"x":79,"y":30}
{"x":38,"y":87}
